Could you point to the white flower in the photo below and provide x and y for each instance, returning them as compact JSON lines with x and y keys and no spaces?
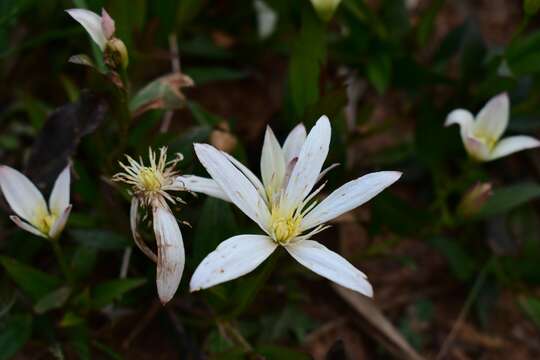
{"x":266,"y":18}
{"x":151,"y":187}
{"x":100,"y":28}
{"x":482,"y":135}
{"x":282,"y":206}
{"x":33,"y":214}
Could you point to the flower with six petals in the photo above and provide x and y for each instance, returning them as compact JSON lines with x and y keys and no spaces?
{"x":283,"y":206}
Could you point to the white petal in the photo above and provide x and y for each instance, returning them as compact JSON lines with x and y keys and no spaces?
{"x":349,"y":196}
{"x":477,"y":149}
{"x":202,"y":185}
{"x":330,"y":265}
{"x":294,"y":142}
{"x":512,"y":144}
{"x":60,"y":223}
{"x":266,"y":18}
{"x":91,"y":23}
{"x":22,"y":196}
{"x":237,"y":187}
{"x":248,"y":173}
{"x":107,"y":24}
{"x":171,"y":257}
{"x":59,"y":199}
{"x":26,"y":226}
{"x":233,"y":258}
{"x":464,"y":119}
{"x":272,"y":161}
{"x":492,"y":120}
{"x":310,"y":162}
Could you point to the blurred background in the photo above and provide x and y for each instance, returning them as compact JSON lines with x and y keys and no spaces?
{"x":453,"y":278}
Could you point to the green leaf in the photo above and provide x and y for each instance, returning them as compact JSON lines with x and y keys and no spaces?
{"x":523,"y":54}
{"x":33,"y":281}
{"x":14,"y":333}
{"x":281,"y":353}
{"x":531,"y":306}
{"x":204,"y":75}
{"x":53,"y":300}
{"x":427,"y":22}
{"x":531,"y":7}
{"x":309,"y":52}
{"x":379,"y":71}
{"x":106,"y":292}
{"x":461,"y":263}
{"x":218,"y":225}
{"x":83,"y":261}
{"x":100,"y":239}
{"x":507,"y":198}
{"x":71,"y":319}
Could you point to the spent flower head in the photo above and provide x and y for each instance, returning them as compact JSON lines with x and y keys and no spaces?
{"x":151,"y":187}
{"x":283,"y":206}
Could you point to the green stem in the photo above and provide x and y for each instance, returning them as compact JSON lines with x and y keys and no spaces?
{"x":473,"y":294}
{"x":61,"y":260}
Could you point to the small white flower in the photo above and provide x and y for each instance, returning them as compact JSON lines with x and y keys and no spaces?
{"x":100,"y":28}
{"x":482,"y":135}
{"x":283,"y":207}
{"x":266,"y":18}
{"x":151,"y":187}
{"x":33,"y":214}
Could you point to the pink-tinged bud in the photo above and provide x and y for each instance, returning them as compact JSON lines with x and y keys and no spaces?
{"x":116,"y":54}
{"x":107,"y":24}
{"x":474,"y":199}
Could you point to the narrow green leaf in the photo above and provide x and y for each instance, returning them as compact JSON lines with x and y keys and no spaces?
{"x":379,"y":71}
{"x":531,"y":306}
{"x":508,"y":198}
{"x":100,"y":239}
{"x":106,"y":292}
{"x":14,"y":333}
{"x":33,"y":281}
{"x":461,"y":263}
{"x":53,"y":300}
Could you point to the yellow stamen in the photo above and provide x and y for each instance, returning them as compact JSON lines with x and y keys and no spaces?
{"x":284,"y":227}
{"x":149,"y":179}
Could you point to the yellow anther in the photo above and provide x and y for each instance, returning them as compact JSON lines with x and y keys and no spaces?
{"x":149,"y":179}
{"x":284,"y":227}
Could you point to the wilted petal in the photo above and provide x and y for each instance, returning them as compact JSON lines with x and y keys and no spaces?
{"x":330,"y":265}
{"x":60,"y":223}
{"x":91,"y":23}
{"x":513,"y":144}
{"x":202,"y":185}
{"x":137,"y":238}
{"x":237,"y":187}
{"x":59,"y":199}
{"x":22,"y":196}
{"x":272,"y":161}
{"x":233,"y":258}
{"x":294,"y":142}
{"x":492,"y":120}
{"x":310,"y":162}
{"x":171,"y":257}
{"x":26,"y":226}
{"x":349,"y":196}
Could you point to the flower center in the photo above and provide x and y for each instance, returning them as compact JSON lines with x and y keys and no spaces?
{"x":46,"y":222}
{"x":284,"y":227}
{"x":149,"y":179}
{"x":489,"y":141}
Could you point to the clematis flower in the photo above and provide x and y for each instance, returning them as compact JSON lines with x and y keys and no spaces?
{"x":283,"y":207}
{"x":151,"y":188}
{"x":482,"y":135}
{"x":33,"y":213}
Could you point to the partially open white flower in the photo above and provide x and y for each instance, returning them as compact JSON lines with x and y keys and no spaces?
{"x":283,"y":207}
{"x":482,"y":135}
{"x":151,"y":187}
{"x":33,"y":213}
{"x":100,"y":28}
